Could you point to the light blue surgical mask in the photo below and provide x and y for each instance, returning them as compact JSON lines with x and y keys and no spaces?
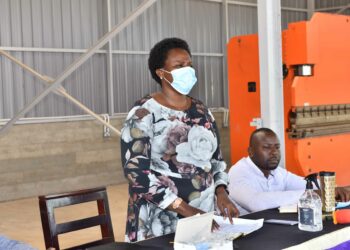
{"x":183,"y":79}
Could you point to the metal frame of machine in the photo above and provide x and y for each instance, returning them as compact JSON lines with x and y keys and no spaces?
{"x":316,"y":94}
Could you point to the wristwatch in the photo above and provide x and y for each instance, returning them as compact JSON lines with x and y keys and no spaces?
{"x":177,"y":202}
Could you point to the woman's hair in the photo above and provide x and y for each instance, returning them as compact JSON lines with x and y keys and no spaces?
{"x":159,"y":54}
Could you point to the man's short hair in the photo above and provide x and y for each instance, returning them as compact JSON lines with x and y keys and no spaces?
{"x":260,"y":130}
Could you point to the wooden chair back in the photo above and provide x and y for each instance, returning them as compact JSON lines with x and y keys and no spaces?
{"x":51,"y":230}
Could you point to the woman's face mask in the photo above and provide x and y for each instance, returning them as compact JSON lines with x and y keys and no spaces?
{"x":183,"y":79}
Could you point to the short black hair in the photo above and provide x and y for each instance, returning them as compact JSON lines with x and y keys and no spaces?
{"x":159,"y":54}
{"x":260,"y":130}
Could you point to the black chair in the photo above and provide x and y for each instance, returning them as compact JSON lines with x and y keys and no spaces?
{"x":51,"y":230}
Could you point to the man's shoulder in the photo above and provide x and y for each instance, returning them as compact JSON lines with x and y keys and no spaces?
{"x":239,"y":166}
{"x":283,"y":171}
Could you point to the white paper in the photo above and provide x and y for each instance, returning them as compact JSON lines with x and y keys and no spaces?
{"x":239,"y":227}
{"x":222,"y":245}
{"x":292,"y":208}
{"x":194,"y":228}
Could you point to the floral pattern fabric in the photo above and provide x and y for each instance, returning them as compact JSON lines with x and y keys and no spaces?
{"x":168,"y":154}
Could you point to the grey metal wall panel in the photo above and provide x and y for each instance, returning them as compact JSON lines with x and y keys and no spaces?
{"x":198,"y":22}
{"x":51,"y":24}
{"x":302,"y":4}
{"x":321,"y":4}
{"x":344,"y":12}
{"x":77,"y":24}
{"x":209,"y":88}
{"x":136,"y":35}
{"x":87,"y":84}
{"x":239,"y":15}
{"x":289,"y":16}
{"x":248,"y":15}
{"x":131,"y":82}
{"x":330,"y":3}
{"x":249,"y":1}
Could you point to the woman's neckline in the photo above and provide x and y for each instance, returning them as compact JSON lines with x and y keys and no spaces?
{"x":172,"y":108}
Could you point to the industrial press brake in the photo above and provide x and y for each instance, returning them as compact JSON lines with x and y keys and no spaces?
{"x":316,"y":89}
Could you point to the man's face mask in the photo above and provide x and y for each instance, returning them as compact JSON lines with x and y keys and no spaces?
{"x":183,"y":79}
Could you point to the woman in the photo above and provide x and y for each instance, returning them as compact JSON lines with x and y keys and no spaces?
{"x":170,"y":150}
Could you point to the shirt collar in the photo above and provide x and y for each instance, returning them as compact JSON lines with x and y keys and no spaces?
{"x":257,"y":170}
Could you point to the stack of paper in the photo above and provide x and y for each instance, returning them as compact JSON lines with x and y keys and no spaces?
{"x":240,"y":227}
{"x":195,"y":232}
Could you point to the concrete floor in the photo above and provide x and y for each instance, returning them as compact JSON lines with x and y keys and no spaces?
{"x":20,"y":219}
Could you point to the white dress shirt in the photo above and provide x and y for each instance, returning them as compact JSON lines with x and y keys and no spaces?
{"x":252,"y":191}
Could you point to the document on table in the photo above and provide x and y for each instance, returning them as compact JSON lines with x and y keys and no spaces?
{"x":238,"y":228}
{"x":195,"y":232}
{"x":292,"y":208}
{"x":194,"y":228}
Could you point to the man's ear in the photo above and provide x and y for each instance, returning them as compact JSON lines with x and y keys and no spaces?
{"x":250,"y":152}
{"x":160,"y":73}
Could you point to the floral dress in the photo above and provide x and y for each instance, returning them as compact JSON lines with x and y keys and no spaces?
{"x":168,"y":154}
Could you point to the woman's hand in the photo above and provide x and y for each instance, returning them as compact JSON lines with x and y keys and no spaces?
{"x":186,"y":211}
{"x":225,"y":205}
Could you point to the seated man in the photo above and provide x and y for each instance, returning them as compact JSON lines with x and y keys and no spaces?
{"x":257,"y":183}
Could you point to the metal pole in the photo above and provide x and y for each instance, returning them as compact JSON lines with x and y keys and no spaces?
{"x":225,"y":38}
{"x":109,"y":55}
{"x":83,"y":58}
{"x":270,"y":60}
{"x":310,"y":8}
{"x":60,"y":91}
{"x":330,"y":8}
{"x":343,"y":9}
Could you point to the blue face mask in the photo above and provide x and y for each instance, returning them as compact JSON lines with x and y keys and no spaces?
{"x":183,"y":79}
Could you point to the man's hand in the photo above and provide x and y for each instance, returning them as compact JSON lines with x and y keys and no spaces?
{"x":225,"y":205}
{"x":342,"y":194}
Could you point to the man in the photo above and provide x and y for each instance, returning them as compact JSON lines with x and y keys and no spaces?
{"x":257,"y":183}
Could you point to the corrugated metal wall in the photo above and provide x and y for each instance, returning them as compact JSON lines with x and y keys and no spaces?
{"x":77,"y":24}
{"x":51,"y":24}
{"x":332,"y":6}
{"x":330,"y":3}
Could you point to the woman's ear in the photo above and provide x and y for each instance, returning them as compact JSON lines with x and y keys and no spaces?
{"x":160,"y":73}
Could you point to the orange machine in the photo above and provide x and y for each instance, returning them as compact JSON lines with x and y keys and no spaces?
{"x":316,"y":58}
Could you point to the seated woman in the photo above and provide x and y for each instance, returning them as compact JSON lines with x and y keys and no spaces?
{"x":170,"y":150}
